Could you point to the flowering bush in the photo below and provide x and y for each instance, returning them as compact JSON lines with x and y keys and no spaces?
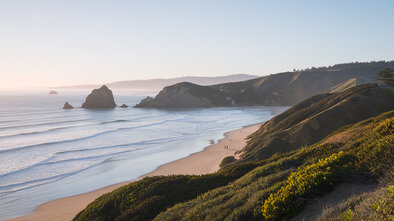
{"x":307,"y":180}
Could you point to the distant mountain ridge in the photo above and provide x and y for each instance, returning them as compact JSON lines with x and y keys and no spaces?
{"x":282,"y":89}
{"x":157,"y":84}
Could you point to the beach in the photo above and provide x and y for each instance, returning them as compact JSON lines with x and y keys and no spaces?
{"x":206,"y":161}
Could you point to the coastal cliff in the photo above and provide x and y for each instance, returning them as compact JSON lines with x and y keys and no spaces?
{"x":283,"y":89}
{"x":332,"y":140}
{"x":187,"y":95}
{"x":315,"y":118}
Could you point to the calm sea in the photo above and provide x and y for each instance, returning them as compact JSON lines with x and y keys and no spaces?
{"x":48,"y":153}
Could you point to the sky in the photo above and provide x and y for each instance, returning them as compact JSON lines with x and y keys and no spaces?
{"x":69,"y":42}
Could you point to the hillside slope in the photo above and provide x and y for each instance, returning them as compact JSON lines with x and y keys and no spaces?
{"x":280,"y":186}
{"x":283,"y":186}
{"x":186,"y":95}
{"x":290,"y":88}
{"x":273,"y":189}
{"x":315,"y":118}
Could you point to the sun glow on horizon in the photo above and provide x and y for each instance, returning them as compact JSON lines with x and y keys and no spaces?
{"x":62,"y":43}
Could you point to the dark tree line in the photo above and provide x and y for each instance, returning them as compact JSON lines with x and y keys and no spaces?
{"x":351,"y":65}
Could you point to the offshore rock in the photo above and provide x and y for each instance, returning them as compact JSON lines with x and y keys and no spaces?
{"x":100,"y":98}
{"x":146,"y":102}
{"x":67,"y":106}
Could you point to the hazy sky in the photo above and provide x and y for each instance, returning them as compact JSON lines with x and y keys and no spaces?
{"x":66,"y":42}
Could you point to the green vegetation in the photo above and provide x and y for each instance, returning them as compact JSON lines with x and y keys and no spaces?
{"x":283,"y":89}
{"x":315,"y":118}
{"x":144,"y":199}
{"x":276,"y":188}
{"x":307,"y":180}
{"x":350,"y":153}
{"x":384,"y":207}
{"x":227,"y":160}
{"x":376,"y":205}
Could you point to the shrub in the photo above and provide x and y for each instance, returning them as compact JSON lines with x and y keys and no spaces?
{"x":308,"y":180}
{"x":144,"y":199}
{"x":227,"y":160}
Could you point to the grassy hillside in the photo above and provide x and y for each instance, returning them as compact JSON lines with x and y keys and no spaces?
{"x":290,"y":88}
{"x":282,"y":186}
{"x":144,"y":199}
{"x":271,"y":189}
{"x":315,"y":118}
{"x":282,"y":89}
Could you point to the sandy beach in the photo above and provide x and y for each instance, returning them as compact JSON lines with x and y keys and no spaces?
{"x":206,"y":161}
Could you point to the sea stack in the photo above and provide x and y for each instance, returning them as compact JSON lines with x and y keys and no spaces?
{"x":123,"y":106}
{"x":100,"y":98}
{"x":145,"y":102}
{"x":67,"y":106}
{"x":52,"y":92}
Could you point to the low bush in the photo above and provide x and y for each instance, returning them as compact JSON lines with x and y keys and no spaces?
{"x":144,"y":199}
{"x":227,"y":160}
{"x":309,"y":180}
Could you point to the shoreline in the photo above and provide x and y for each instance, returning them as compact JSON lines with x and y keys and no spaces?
{"x":203,"y":162}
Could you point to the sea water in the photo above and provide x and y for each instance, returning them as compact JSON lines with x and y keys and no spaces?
{"x":48,"y":153}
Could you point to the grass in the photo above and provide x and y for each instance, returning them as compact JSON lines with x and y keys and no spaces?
{"x":257,"y":195}
{"x":144,"y":199}
{"x":376,"y":205}
{"x":308,"y":180}
{"x":272,"y":189}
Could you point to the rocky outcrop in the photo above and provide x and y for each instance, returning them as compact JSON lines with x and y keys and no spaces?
{"x":146,"y":102}
{"x":52,"y":92}
{"x":123,"y":106}
{"x":283,"y":89}
{"x":100,"y":98}
{"x":290,"y":88}
{"x":187,"y":95}
{"x":67,"y":106}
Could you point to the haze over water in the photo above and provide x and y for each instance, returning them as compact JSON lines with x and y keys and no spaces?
{"x":48,"y":153}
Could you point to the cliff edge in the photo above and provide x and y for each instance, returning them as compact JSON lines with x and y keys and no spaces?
{"x":187,"y":95}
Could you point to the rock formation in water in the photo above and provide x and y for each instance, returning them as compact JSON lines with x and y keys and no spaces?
{"x":100,"y":98}
{"x":67,"y":106}
{"x":146,"y":102}
{"x":123,"y":106}
{"x":52,"y":92}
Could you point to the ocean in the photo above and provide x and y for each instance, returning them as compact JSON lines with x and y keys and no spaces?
{"x":47,"y":153}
